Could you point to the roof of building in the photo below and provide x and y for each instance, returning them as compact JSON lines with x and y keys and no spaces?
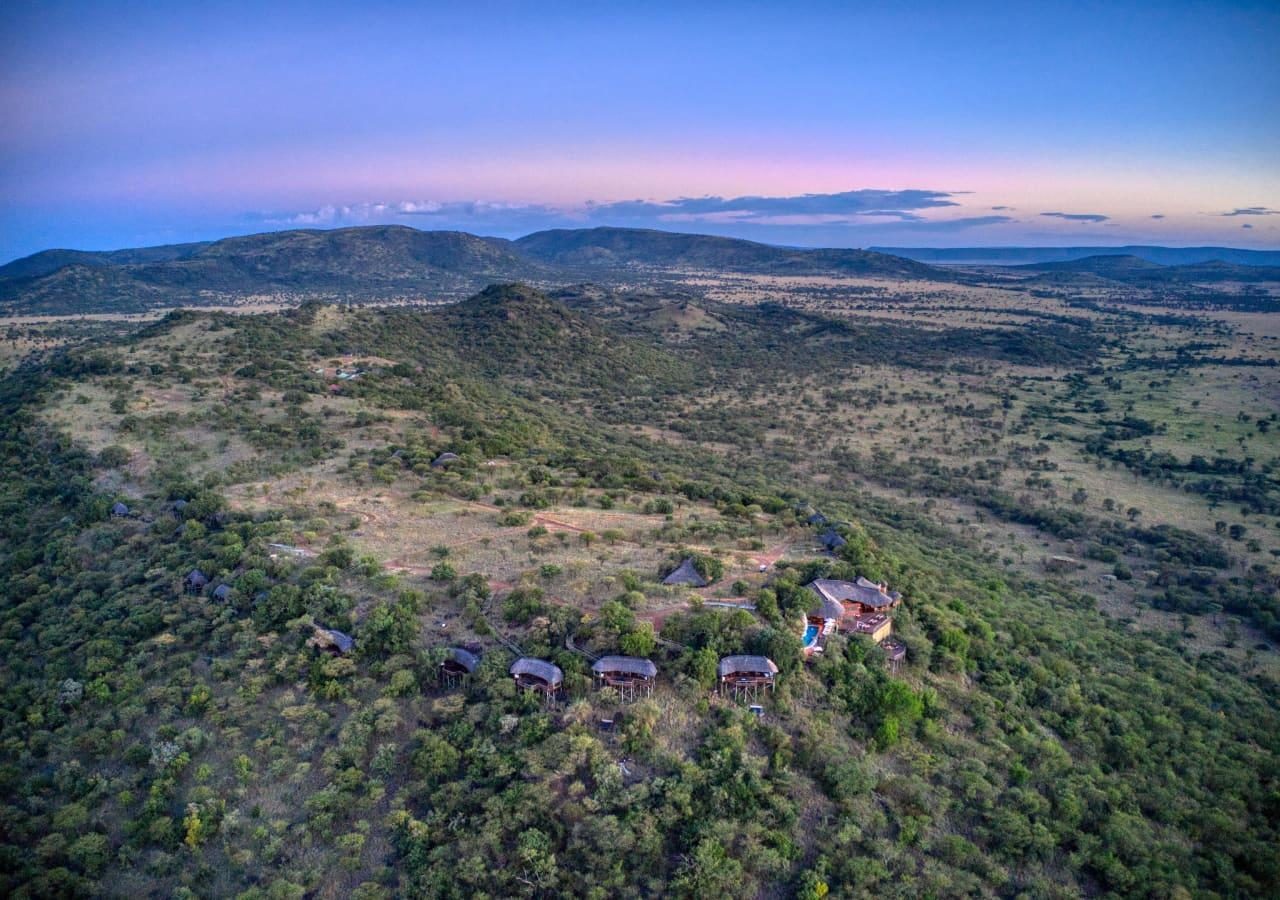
{"x":817,"y":519}
{"x":632,"y":665}
{"x":867,"y":593}
{"x":832,"y":539}
{"x":537,"y":668}
{"x":195,"y":576}
{"x":343,"y":642}
{"x":732,"y":665}
{"x":444,"y":459}
{"x":119,"y":509}
{"x":686,"y":573}
{"x":464,"y":658}
{"x":222,"y":591}
{"x":868,"y":583}
{"x":826,"y":608}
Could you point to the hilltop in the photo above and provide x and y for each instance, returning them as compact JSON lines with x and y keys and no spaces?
{"x":367,"y":263}
{"x":629,"y":247}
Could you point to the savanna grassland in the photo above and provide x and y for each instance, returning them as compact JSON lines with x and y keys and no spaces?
{"x":1100,"y":724}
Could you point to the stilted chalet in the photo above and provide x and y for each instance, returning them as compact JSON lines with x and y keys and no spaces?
{"x":538,"y":675}
{"x":895,"y":652}
{"x":332,"y":641}
{"x":744,"y":677}
{"x":195,"y":582}
{"x":458,"y":666}
{"x":630,"y":676}
{"x":686,"y":573}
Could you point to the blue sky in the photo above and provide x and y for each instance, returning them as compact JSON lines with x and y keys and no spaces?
{"x":840,"y":124}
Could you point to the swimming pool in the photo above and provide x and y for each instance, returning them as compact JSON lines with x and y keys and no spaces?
{"x":811,"y":635}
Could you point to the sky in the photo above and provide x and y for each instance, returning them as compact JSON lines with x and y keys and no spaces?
{"x":819,"y":124}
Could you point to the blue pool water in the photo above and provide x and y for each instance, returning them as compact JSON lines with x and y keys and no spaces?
{"x":810,"y":635}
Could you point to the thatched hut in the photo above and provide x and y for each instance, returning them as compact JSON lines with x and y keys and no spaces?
{"x":458,"y":665}
{"x":444,"y":460}
{"x":119,"y":510}
{"x":630,"y":676}
{"x":332,"y":641}
{"x":538,"y":675}
{"x":832,"y":539}
{"x":686,"y":573}
{"x":195,"y":582}
{"x":222,"y":592}
{"x":746,"y":676}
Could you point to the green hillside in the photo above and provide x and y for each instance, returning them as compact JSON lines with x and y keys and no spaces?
{"x":605,"y":248}
{"x":164,"y":741}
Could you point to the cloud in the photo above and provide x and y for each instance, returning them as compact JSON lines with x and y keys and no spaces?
{"x":802,"y":209}
{"x":848,"y":218}
{"x":1158,"y":216}
{"x":1253,"y":211}
{"x":1078,"y":217}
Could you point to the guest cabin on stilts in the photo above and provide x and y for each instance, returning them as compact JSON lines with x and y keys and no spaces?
{"x":630,"y":676}
{"x":746,"y":677}
{"x":457,"y":667}
{"x":539,"y":676}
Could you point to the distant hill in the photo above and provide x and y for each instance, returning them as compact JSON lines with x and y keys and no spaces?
{"x":606,"y":248}
{"x":370,"y":263}
{"x":389,"y":262}
{"x":48,"y":261}
{"x":1012,"y":256}
{"x":1134,"y":270}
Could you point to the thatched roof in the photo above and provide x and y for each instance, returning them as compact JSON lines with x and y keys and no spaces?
{"x":329,"y":637}
{"x":632,"y":665}
{"x":195,"y":578}
{"x":444,"y":459}
{"x":222,"y":592}
{"x":868,"y":583}
{"x":868,"y":593}
{"x":119,"y":509}
{"x":826,"y":607}
{"x":464,"y":658}
{"x":686,"y":573}
{"x":732,"y":665}
{"x":537,"y":668}
{"x":832,"y":539}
